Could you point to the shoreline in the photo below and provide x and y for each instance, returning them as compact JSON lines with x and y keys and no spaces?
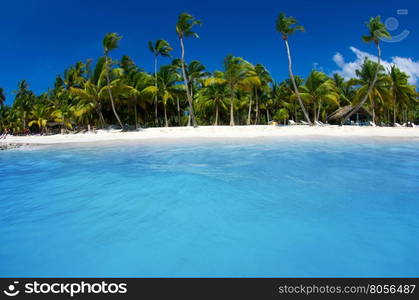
{"x":216,"y":132}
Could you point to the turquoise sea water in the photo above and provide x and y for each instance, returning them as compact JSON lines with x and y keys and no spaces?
{"x":231,"y":208}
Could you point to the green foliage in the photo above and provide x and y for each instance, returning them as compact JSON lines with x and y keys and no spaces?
{"x":287,"y":25}
{"x":185,"y":24}
{"x":90,"y":94}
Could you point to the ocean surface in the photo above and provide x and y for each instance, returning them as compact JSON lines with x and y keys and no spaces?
{"x":248,"y":208}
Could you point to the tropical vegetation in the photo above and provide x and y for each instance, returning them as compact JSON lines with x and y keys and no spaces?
{"x":121,"y":94}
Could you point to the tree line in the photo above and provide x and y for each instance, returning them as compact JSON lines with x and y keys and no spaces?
{"x":119,"y":92}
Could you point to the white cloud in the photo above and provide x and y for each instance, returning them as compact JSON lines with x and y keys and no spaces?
{"x":347,"y":69}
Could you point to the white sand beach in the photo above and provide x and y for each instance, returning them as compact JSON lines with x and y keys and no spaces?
{"x":222,"y":132}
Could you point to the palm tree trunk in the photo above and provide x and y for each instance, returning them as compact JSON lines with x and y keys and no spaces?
{"x":373,"y":109}
{"x":257,"y":107}
{"x":178,"y":110}
{"x":357,"y":107}
{"x":267,"y":115}
{"x":100,"y":114}
{"x":216,"y":114}
{"x":318,"y":111}
{"x":394,"y":110}
{"x":250,"y":110}
{"x":136,"y":116}
{"x":156,"y":119}
{"x":166,"y":123}
{"x":110,"y":93}
{"x":185,"y":78}
{"x":232,"y":108}
{"x":294,"y":84}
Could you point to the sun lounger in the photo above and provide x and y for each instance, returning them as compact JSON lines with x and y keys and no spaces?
{"x":414,"y":125}
{"x":372,"y":124}
{"x":291,"y":122}
{"x":318,"y":123}
{"x":398,"y":125}
{"x":321,"y":123}
{"x":304,"y":122}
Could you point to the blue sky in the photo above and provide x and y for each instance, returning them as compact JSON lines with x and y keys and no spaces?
{"x":41,"y":38}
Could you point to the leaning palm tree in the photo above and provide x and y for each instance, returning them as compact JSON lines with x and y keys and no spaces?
{"x":377,"y":93}
{"x":377,"y":31}
{"x":110,"y":42}
{"x":159,"y":48}
{"x":287,"y":26}
{"x":184,"y":27}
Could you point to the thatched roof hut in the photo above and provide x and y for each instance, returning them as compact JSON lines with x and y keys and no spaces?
{"x":341,"y":112}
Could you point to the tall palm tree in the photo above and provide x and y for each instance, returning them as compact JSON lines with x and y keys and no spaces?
{"x":167,"y":87}
{"x":236,"y":71}
{"x":286,"y":26}
{"x":141,"y":82}
{"x":213,"y":94}
{"x":402,"y":93}
{"x":377,"y":30}
{"x":159,"y":48}
{"x":195,"y":71}
{"x":184,"y":27}
{"x":110,"y":42}
{"x":264,"y":78}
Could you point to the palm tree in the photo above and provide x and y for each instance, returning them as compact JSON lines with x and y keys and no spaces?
{"x":377,"y":31}
{"x":236,"y":71}
{"x":195,"y":71}
{"x":402,"y":92}
{"x":213,"y":94}
{"x":319,"y":90}
{"x":94,"y":89}
{"x":345,"y":90}
{"x":160,"y":47}
{"x":264,"y":78}
{"x":23,"y":103}
{"x":373,"y":84}
{"x":64,"y":115}
{"x":167,"y":87}
{"x":40,"y":115}
{"x":141,"y":82}
{"x":110,"y":42}
{"x":184,"y":27}
{"x":287,"y":26}
{"x":282,"y":115}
